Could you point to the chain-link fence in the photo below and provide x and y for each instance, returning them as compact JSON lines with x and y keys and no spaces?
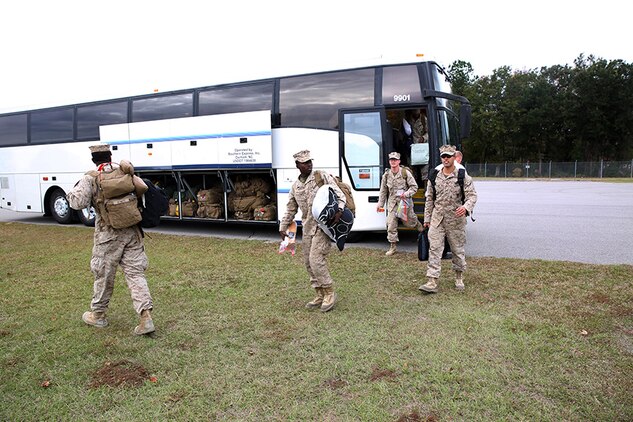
{"x":548,"y":169}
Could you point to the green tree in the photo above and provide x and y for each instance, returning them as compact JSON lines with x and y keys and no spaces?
{"x":557,"y":113}
{"x":489,"y":129}
{"x":462,"y":77}
{"x":602,"y":117}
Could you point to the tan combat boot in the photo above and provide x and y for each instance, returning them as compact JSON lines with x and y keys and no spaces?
{"x":392,"y":249}
{"x":459,"y":280}
{"x":146,"y":325}
{"x":317,"y":301}
{"x":430,"y":286}
{"x":329,"y":299}
{"x":95,"y":318}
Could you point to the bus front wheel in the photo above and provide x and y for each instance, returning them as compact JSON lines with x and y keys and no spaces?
{"x":62,"y":213}
{"x":87,"y":216}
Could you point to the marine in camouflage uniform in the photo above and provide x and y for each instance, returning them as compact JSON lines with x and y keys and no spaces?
{"x":113,"y":247}
{"x":393,"y":182}
{"x":315,"y":243}
{"x":446,"y":217}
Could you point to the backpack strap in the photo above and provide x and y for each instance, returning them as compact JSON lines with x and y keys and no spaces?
{"x":432,"y":176}
{"x":318,"y":176}
{"x":406,"y":171}
{"x":461,"y":174}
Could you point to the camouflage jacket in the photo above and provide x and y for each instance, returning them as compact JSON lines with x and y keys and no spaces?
{"x":391,"y":183}
{"x":448,"y":199}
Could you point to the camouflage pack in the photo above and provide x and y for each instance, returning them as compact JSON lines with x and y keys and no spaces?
{"x":116,"y":202}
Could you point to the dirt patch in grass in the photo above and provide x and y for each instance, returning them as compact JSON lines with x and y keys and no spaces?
{"x":621,"y":311}
{"x":378,"y":374}
{"x":176,"y":397}
{"x":600,"y":298}
{"x":335,"y":383}
{"x":122,"y":373}
{"x":416,"y":417}
{"x":12,"y":362}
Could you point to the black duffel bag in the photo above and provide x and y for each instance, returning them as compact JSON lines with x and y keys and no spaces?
{"x":423,"y":245}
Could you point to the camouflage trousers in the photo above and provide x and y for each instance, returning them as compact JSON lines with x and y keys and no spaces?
{"x":315,"y":251}
{"x":126,"y":250}
{"x":456,"y":236}
{"x":392,"y":224}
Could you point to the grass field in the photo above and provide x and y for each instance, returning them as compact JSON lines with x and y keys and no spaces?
{"x":528,"y":339}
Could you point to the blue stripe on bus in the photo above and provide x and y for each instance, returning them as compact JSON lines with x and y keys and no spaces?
{"x":206,"y":167}
{"x":191,"y":138}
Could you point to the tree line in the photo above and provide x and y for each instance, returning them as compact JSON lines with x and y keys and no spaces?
{"x":559,"y":113}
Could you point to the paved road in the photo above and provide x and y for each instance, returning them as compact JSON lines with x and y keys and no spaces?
{"x":588,"y":222}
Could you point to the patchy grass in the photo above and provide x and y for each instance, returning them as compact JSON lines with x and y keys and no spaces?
{"x":527,"y":340}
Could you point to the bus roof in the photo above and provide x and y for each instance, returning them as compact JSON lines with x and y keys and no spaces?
{"x":297,"y":71}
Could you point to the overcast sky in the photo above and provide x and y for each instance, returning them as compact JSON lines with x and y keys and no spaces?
{"x":63,"y":51}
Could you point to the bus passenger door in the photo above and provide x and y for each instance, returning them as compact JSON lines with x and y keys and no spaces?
{"x":365,"y":142}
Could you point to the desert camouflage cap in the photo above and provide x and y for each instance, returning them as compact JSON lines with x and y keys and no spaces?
{"x":99,"y":148}
{"x":395,"y":155}
{"x":302,"y":156}
{"x":447,"y":150}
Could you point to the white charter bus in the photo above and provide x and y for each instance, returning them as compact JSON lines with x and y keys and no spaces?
{"x":224,"y":153}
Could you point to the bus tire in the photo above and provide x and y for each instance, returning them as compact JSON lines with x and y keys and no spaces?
{"x":87,"y":216}
{"x":60,"y":209}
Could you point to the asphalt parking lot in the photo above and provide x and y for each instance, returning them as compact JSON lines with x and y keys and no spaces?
{"x":577,"y":221}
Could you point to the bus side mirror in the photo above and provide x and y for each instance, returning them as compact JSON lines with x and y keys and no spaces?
{"x":465,"y":118}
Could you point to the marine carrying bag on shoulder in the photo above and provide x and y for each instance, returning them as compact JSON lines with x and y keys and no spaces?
{"x":347,"y":190}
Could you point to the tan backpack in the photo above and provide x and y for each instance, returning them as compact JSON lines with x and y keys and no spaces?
{"x":116,"y":202}
{"x":347,"y":190}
